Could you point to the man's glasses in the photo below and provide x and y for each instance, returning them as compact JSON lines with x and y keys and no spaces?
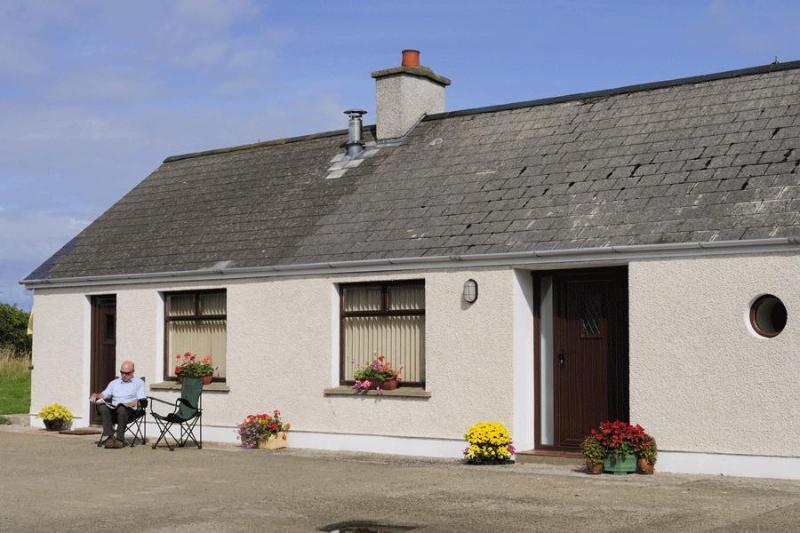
{"x":126,"y":373}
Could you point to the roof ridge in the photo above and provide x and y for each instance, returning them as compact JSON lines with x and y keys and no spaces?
{"x":625,"y":89}
{"x":260,"y":144}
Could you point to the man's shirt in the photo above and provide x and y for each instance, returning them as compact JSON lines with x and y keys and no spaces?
{"x":125,"y":392}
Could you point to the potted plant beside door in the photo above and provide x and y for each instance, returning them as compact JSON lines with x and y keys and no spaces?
{"x":594,"y":453}
{"x":624,"y":444}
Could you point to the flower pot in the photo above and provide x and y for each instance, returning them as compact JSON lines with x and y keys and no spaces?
{"x":620,"y":464}
{"x":205,"y":379}
{"x":56,"y":425}
{"x":643,"y":466}
{"x":594,"y":469}
{"x":390,"y":384}
{"x":273,"y":442}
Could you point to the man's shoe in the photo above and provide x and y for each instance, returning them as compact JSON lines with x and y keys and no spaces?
{"x":115,"y":444}
{"x":105,"y":439}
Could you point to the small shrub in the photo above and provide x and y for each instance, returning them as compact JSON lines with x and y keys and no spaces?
{"x":489,"y":443}
{"x":14,"y":330}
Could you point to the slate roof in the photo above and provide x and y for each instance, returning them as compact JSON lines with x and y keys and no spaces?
{"x":700,"y":159}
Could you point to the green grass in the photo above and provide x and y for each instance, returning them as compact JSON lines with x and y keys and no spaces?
{"x":15,"y":384}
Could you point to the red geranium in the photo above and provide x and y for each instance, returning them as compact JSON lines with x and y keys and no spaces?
{"x":621,"y":438}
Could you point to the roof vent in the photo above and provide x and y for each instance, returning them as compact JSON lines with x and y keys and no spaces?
{"x":354,"y":143}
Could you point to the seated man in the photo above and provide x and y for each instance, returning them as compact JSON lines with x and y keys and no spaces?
{"x":124,"y":394}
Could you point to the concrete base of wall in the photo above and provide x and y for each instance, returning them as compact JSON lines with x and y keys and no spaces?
{"x":729,"y":465}
{"x":420,"y":447}
{"x":674,"y":462}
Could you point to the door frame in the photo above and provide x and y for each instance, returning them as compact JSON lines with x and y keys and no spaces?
{"x":618,"y":356}
{"x":96,"y":382}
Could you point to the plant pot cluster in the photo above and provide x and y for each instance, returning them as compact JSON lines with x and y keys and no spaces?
{"x":266,"y":431}
{"x":377,"y":375}
{"x":619,"y":448}
{"x":189,"y":365}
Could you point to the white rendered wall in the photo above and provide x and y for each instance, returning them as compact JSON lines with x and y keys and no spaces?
{"x":700,"y":379}
{"x":60,"y":353}
{"x":283,"y":352}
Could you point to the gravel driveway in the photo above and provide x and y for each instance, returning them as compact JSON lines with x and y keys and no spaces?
{"x":59,"y":483}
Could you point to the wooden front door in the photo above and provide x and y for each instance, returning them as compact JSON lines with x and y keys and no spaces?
{"x":104,"y":341}
{"x":590,"y":352}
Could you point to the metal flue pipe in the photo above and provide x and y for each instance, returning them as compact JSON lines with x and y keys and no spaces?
{"x":355,"y":144}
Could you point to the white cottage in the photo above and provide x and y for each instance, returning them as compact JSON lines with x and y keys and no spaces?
{"x":634,"y":252}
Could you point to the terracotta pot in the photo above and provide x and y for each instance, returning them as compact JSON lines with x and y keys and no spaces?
{"x":390,"y":384}
{"x":594,"y":469}
{"x":273,"y":442}
{"x":206,"y":379}
{"x":643,"y":466}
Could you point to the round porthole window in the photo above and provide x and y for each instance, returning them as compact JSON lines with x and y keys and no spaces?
{"x":768,"y":315}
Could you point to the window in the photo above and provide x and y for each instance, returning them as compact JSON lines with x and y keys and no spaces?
{"x":195,"y":322}
{"x":387,"y":319}
{"x":768,"y":316}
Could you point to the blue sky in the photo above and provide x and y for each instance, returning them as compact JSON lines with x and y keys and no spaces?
{"x":95,"y":94}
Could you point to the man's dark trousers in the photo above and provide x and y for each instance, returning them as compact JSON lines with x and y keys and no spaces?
{"x":119,"y":415}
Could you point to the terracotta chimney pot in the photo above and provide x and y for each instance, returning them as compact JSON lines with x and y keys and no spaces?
{"x":410,"y":58}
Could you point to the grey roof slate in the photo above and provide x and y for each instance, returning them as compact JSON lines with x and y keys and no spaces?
{"x":700,"y":159}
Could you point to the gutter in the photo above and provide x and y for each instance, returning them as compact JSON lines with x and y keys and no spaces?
{"x":532,"y":259}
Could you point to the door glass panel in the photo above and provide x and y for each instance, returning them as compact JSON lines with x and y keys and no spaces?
{"x":591,"y":315}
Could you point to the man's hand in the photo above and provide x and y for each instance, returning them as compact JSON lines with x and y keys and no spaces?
{"x":96,"y":396}
{"x":133,"y":405}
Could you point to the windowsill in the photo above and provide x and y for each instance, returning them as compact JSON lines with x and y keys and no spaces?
{"x":174,"y":385}
{"x":400,"y":392}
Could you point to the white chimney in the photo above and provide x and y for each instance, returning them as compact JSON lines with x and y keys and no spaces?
{"x":405,"y":94}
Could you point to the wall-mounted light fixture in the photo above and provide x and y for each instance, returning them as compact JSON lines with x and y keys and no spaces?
{"x":470,"y":293}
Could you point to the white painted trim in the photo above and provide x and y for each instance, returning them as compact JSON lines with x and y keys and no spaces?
{"x":617,"y":255}
{"x":86,"y":358}
{"x":522,"y":331}
{"x":335,"y":344}
{"x":158,"y":349}
{"x":729,"y":464}
{"x":545,"y":388}
{"x":351,"y":442}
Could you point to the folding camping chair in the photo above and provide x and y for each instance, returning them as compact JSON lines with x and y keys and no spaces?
{"x":187,"y":413}
{"x":137,"y":423}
